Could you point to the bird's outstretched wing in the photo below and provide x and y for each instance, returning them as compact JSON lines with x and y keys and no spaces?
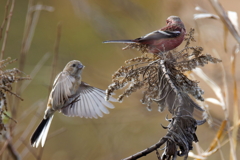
{"x":89,"y":103}
{"x":61,"y":90}
{"x":155,"y":35}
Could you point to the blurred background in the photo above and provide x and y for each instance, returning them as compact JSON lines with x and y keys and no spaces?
{"x":129,"y":128}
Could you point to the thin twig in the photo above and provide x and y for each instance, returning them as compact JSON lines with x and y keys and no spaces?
{"x":7,"y":30}
{"x":35,"y":70}
{"x":235,"y":98}
{"x":22,"y":57}
{"x":3,"y":147}
{"x":224,"y":17}
{"x":30,"y":148}
{"x":57,"y":132}
{"x":220,"y":150}
{"x":218,"y":136}
{"x":227,"y":22}
{"x":34,"y":20}
{"x":11,"y":148}
{"x":13,"y":93}
{"x":31,"y":22}
{"x":55,"y":59}
{"x":31,"y":124}
{"x":146,"y":151}
{"x":5,"y":19}
{"x":10,"y":117}
{"x":32,"y":108}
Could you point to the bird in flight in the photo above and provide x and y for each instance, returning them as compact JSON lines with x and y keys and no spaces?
{"x":72,"y":97}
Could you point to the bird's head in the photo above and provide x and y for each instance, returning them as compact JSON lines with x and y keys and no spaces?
{"x":175,"y":20}
{"x":74,"y":68}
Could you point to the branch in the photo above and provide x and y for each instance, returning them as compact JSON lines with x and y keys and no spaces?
{"x":224,"y":17}
{"x":147,"y":151}
{"x":16,"y":95}
{"x":5,"y":19}
{"x":3,"y":147}
{"x":13,"y":151}
{"x":7,"y":30}
{"x":11,"y":148}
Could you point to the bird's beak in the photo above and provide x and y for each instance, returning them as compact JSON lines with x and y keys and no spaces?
{"x":80,"y":66}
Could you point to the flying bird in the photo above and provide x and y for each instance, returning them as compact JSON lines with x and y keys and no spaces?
{"x":73,"y":97}
{"x":162,"y":40}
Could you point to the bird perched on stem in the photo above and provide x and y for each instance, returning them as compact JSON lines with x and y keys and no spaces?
{"x":162,"y":40}
{"x":73,"y":97}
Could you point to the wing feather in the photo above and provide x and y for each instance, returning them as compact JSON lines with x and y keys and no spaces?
{"x":82,"y":106}
{"x":96,"y":105}
{"x":62,"y":88}
{"x":91,"y":103}
{"x":101,"y":97}
{"x":155,"y":35}
{"x":91,"y":106}
{"x":86,"y":106}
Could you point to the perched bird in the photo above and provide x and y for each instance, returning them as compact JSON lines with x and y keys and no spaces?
{"x":162,"y":40}
{"x":73,"y":97}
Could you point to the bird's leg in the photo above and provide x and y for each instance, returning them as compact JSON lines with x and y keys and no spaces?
{"x":73,"y":101}
{"x":163,"y":53}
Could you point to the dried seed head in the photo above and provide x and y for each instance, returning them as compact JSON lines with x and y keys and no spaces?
{"x":7,"y":78}
{"x":159,"y":74}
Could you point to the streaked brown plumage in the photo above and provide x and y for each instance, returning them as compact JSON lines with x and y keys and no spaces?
{"x":72,"y":97}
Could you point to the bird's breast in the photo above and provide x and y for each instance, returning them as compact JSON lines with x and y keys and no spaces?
{"x":167,"y":44}
{"x":76,"y":85}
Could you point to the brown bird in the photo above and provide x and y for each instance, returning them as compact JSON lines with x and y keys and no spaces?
{"x":73,"y":97}
{"x":162,"y":40}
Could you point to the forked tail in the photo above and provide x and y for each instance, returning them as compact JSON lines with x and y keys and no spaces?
{"x":41,"y":132}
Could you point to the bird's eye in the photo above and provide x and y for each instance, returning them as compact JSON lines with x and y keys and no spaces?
{"x":74,"y":65}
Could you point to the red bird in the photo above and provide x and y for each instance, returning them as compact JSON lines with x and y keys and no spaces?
{"x":162,"y":40}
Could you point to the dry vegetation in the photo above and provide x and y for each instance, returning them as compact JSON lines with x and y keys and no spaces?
{"x":9,"y":111}
{"x":164,"y":82}
{"x":164,"y":79}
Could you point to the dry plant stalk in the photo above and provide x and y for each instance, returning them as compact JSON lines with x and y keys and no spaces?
{"x":150,"y":72}
{"x":7,"y":78}
{"x":164,"y":82}
{"x":231,"y":25}
{"x":7,"y":19}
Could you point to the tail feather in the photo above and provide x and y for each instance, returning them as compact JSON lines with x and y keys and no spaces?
{"x":119,"y":41}
{"x":41,"y":132}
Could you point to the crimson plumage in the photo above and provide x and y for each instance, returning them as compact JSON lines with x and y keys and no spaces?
{"x":162,"y":40}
